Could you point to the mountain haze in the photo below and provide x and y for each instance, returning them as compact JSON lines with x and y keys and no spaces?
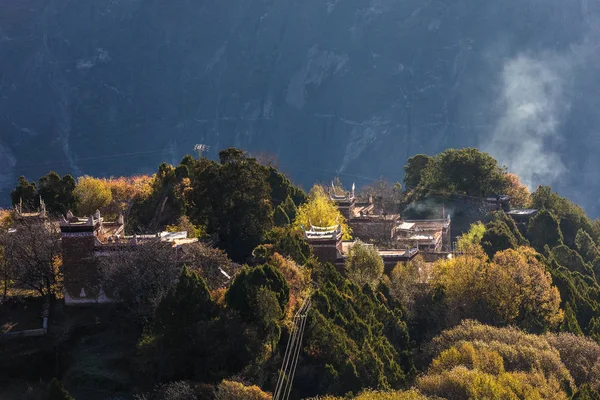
{"x":342,"y":87}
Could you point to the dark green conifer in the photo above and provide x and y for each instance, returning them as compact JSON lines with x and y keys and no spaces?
{"x":570,"y":323}
{"x":290,"y":208}
{"x":242,"y":294}
{"x":544,"y":230}
{"x":497,"y":237}
{"x":280,"y":217}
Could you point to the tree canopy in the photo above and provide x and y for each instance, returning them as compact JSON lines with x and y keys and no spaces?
{"x":57,"y":193}
{"x":459,"y":172}
{"x":364,"y":265}
{"x":495,"y":319}
{"x":25,"y":195}
{"x":242,"y":295}
{"x":513,"y":287}
{"x":320,"y":210}
{"x":92,"y":194}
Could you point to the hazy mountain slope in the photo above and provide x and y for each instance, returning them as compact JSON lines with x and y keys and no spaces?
{"x":349,"y":86}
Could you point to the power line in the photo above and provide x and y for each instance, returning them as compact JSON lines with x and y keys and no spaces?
{"x":292,"y":353}
{"x":297,"y":354}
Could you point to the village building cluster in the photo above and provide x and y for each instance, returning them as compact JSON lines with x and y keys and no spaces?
{"x":397,"y":239}
{"x":84,"y":241}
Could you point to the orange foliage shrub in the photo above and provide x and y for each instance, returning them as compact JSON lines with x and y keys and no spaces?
{"x":519,"y":193}
{"x":121,"y":192}
{"x":298,"y":279}
{"x":126,"y":190}
{"x":218,"y":296}
{"x":229,"y":390}
{"x":6,"y":218}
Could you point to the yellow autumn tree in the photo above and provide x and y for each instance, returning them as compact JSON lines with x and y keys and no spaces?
{"x":92,"y":194}
{"x":463,"y":285}
{"x":6,"y":218}
{"x":320,"y":211}
{"x":111,"y":196}
{"x":522,"y":290}
{"x":469,"y":241}
{"x":478,"y":361}
{"x":519,"y":193}
{"x":513,"y":288}
{"x":230,"y":390}
{"x":124,"y":191}
{"x":463,"y":383}
{"x":381,"y":395}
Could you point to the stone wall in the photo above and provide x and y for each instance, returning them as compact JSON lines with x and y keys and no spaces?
{"x":80,"y":265}
{"x":326,"y":250}
{"x":370,"y":229}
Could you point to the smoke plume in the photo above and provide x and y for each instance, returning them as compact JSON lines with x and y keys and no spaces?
{"x":532,"y":104}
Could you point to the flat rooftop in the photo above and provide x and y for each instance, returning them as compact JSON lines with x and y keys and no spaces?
{"x":428,"y":224}
{"x":392,"y":253}
{"x":321,"y":235}
{"x":405,"y":226}
{"x":346,"y":246}
{"x":522,"y":211}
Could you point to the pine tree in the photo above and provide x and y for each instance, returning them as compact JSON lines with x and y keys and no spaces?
{"x":25,"y":195}
{"x":585,"y":392}
{"x":497,"y":237}
{"x":57,"y":192}
{"x":242,"y":294}
{"x":290,"y":208}
{"x":280,"y":217}
{"x":292,"y":244}
{"x":586,"y":246}
{"x":570,"y":323}
{"x":593,"y":329}
{"x":242,"y":212}
{"x":187,"y":304}
{"x":544,"y":229}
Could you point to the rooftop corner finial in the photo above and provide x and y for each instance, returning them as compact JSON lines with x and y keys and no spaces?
{"x":69,"y":215}
{"x":97,"y":215}
{"x":121,"y":219}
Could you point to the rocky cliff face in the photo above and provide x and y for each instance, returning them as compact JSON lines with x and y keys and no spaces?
{"x":348,"y":87}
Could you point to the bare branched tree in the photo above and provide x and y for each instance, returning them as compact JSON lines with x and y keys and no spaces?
{"x":387,"y":197}
{"x":140,"y":275}
{"x":267,"y":159}
{"x":210,"y":264}
{"x":32,"y":254}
